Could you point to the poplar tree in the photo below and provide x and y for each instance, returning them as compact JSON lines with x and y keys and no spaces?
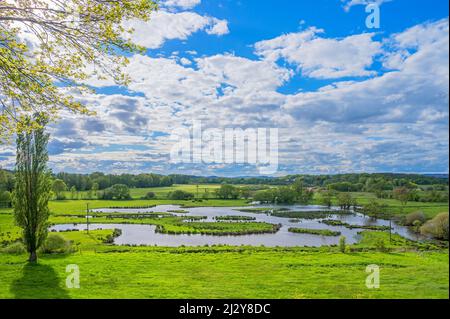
{"x":32,"y":187}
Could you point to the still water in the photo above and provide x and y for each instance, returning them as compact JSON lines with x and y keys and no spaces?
{"x":146,"y":235}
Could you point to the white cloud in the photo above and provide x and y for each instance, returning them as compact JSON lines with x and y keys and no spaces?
{"x":324,"y":58}
{"x":218,"y":27}
{"x":165,"y":26}
{"x":183,"y":4}
{"x":420,"y":83}
{"x":395,"y":120}
{"x":348,"y":4}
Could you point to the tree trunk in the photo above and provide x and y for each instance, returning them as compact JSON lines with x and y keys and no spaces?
{"x":33,"y":257}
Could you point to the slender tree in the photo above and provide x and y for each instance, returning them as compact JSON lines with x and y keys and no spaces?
{"x":32,"y":188}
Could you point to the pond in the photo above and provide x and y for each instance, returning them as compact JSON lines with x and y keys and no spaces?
{"x":146,"y":235}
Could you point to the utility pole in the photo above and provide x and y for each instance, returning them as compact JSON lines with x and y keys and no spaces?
{"x":87,"y":217}
{"x":390,"y":229}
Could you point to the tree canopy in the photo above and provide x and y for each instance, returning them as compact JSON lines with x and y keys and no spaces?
{"x":50,"y":48}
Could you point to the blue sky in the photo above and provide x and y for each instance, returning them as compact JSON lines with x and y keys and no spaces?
{"x":344,"y":98}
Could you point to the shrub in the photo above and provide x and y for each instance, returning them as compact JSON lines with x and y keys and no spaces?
{"x":150,"y":195}
{"x":180,"y":195}
{"x":110,"y":238}
{"x":342,"y":244}
{"x":118,"y":192}
{"x":55,"y":244}
{"x":15,"y":248}
{"x":380,"y":245}
{"x":437,"y":227}
{"x":410,"y":219}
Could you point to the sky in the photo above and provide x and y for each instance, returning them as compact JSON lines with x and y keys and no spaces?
{"x":344,"y":97}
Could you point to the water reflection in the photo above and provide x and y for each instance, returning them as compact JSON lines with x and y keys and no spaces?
{"x":145,"y":234}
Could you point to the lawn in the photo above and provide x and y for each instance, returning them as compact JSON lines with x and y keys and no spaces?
{"x":247,"y":273}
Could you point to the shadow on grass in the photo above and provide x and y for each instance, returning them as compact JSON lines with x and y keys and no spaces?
{"x":38,"y":282}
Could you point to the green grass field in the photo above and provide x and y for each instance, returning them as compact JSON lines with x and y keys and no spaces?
{"x":247,"y":273}
{"x":160,"y":192}
{"x":408,"y":270}
{"x":78,"y":205}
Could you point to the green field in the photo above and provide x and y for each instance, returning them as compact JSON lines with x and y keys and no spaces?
{"x":225,"y":273}
{"x":408,"y":269}
{"x":78,"y":205}
{"x":160,"y":192}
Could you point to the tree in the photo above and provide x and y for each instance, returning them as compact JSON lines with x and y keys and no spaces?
{"x":245,"y":192}
{"x":402,"y":194}
{"x":375,"y":209}
{"x":180,"y":195}
{"x":227,"y":192}
{"x":118,"y":191}
{"x":303,"y":194}
{"x":95,"y":188}
{"x":58,"y":188}
{"x":73,"y":192}
{"x":346,"y":201}
{"x":326,"y":198}
{"x":48,"y":48}
{"x":32,"y":188}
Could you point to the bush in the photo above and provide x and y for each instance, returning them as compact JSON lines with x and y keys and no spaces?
{"x":410,"y":219}
{"x":150,"y":195}
{"x":15,"y":248}
{"x":180,"y":195}
{"x":118,"y":192}
{"x":380,"y":245}
{"x":55,"y":244}
{"x":437,"y":227}
{"x":110,"y":238}
{"x":342,"y":244}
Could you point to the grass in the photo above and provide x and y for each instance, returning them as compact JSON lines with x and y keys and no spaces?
{"x":247,"y":273}
{"x":395,"y":207}
{"x":332,"y":222}
{"x":160,"y":192}
{"x":320,"y":232}
{"x":308,"y":215}
{"x":410,"y":270}
{"x":79,"y":206}
{"x":234,"y":218}
{"x":217,"y":228}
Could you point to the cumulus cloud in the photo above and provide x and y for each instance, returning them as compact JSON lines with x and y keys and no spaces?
{"x":183,"y":4}
{"x":324,"y":58}
{"x":348,"y":4}
{"x":165,"y":26}
{"x":396,"y":120}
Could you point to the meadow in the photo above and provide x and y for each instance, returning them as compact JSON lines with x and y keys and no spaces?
{"x":226,"y":272}
{"x":78,"y":205}
{"x":408,"y":269}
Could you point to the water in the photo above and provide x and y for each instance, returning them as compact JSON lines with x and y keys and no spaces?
{"x":146,"y":235}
